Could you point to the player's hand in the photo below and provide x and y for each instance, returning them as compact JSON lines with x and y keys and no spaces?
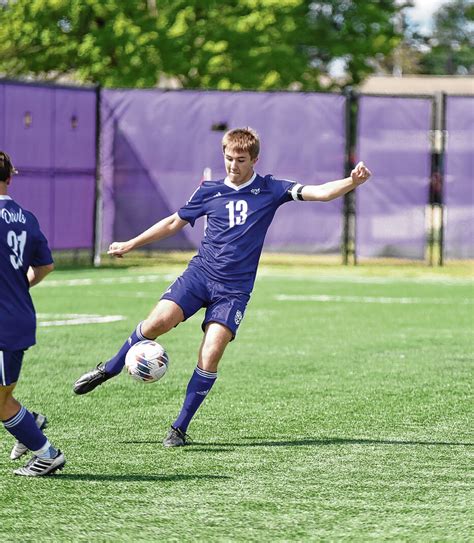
{"x":119,"y":248}
{"x":360,"y":173}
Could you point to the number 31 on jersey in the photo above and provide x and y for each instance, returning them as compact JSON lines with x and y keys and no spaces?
{"x":17,"y":243}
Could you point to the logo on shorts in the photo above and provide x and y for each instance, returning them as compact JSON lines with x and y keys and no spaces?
{"x":255,"y":191}
{"x":238,"y":317}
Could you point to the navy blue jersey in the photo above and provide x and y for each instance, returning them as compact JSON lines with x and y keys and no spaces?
{"x":237,"y":222}
{"x":22,"y":245}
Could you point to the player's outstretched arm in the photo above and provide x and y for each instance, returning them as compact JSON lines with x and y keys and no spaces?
{"x":162,"y":229}
{"x":328,"y":191}
{"x":38,"y":273}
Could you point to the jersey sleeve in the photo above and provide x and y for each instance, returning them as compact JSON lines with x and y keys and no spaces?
{"x":284,"y":190}
{"x":194,"y":208}
{"x":42,"y":253}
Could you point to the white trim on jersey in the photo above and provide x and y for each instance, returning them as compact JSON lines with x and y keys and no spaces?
{"x":2,"y":369}
{"x":192,"y":195}
{"x":294,"y":191}
{"x":5,"y":197}
{"x":238,"y":187}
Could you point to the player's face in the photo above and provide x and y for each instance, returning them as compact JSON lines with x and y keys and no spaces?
{"x":239,"y":166}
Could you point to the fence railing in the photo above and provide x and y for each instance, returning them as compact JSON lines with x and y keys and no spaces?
{"x":155,"y":144}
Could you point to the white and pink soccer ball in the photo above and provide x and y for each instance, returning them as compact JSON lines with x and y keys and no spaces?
{"x":147,"y":361}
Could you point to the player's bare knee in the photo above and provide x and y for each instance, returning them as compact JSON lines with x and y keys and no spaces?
{"x":156,"y":325}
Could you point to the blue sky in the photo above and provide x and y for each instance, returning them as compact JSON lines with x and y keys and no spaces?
{"x":422,"y":13}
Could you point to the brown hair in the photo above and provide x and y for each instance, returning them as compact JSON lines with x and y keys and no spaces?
{"x":245,"y":140}
{"x":6,"y":167}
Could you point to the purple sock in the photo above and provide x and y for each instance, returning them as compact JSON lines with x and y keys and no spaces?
{"x":23,"y":427}
{"x":199,"y":386}
{"x":114,"y":365}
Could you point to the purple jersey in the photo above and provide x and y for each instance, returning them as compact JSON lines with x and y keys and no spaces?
{"x":237,"y":222}
{"x":22,"y":245}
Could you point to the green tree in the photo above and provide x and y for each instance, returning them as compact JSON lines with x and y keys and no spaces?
{"x":231,"y":44}
{"x":92,"y":41}
{"x":451,"y":45}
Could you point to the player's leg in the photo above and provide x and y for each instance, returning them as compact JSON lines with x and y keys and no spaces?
{"x":221,"y":322}
{"x":165,"y":316}
{"x":21,"y":424}
{"x":216,"y":338}
{"x":19,"y":421}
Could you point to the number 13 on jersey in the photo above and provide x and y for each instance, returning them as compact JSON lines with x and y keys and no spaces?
{"x":237,"y":212}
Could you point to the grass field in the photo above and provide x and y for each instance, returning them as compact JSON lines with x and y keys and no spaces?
{"x":342,"y":412}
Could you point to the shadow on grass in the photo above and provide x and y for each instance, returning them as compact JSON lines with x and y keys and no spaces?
{"x":255,"y":442}
{"x":259,"y":442}
{"x":130,"y":477}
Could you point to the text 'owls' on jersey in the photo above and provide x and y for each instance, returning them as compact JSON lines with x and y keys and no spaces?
{"x":238,"y":218}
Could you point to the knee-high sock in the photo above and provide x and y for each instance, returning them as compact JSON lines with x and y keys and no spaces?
{"x":114,"y":365}
{"x":199,"y":386}
{"x":23,"y":427}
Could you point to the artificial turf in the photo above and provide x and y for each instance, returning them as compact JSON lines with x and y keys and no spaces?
{"x":342,"y":412}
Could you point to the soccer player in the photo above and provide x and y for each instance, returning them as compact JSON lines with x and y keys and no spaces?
{"x":239,"y":210}
{"x":25,"y":260}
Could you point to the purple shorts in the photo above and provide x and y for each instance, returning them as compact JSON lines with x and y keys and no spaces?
{"x":194,"y":290}
{"x":10,"y":366}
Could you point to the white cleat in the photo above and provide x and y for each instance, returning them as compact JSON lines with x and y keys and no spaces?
{"x":19,"y":449}
{"x":38,"y":467}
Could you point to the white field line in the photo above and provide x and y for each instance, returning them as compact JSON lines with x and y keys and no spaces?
{"x":106,"y":280}
{"x":376,"y":280}
{"x":72,"y":319}
{"x":151,"y":278}
{"x":367,"y":299}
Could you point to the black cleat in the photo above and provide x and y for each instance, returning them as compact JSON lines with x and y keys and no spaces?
{"x":92,"y":379}
{"x":176,"y":438}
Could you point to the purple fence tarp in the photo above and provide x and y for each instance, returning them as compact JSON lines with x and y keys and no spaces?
{"x":459,"y":178}
{"x":156,"y":144}
{"x":393,"y":140}
{"x":50,"y":134}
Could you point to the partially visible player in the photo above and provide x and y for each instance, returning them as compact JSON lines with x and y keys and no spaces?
{"x":239,"y":209}
{"x":25,"y":260}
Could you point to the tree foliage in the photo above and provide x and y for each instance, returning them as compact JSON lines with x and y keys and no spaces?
{"x":231,"y":44}
{"x":451,"y":46}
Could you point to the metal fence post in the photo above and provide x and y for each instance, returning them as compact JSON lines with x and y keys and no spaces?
{"x":438,"y":146}
{"x":96,"y":258}
{"x":349,"y":209}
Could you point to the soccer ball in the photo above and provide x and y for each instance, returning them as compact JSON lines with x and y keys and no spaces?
{"x":147,"y":361}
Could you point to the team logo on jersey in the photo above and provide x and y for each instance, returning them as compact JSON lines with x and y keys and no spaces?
{"x":238,"y":317}
{"x":255,"y":191}
{"x":217,"y":194}
{"x":12,"y":216}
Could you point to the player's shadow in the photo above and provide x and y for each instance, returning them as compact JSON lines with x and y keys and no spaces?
{"x":130,"y":477}
{"x":260,"y":442}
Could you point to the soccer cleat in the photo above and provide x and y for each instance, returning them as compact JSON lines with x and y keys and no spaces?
{"x":37,"y":467}
{"x":19,"y":449}
{"x":176,"y":438}
{"x":92,"y":379}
